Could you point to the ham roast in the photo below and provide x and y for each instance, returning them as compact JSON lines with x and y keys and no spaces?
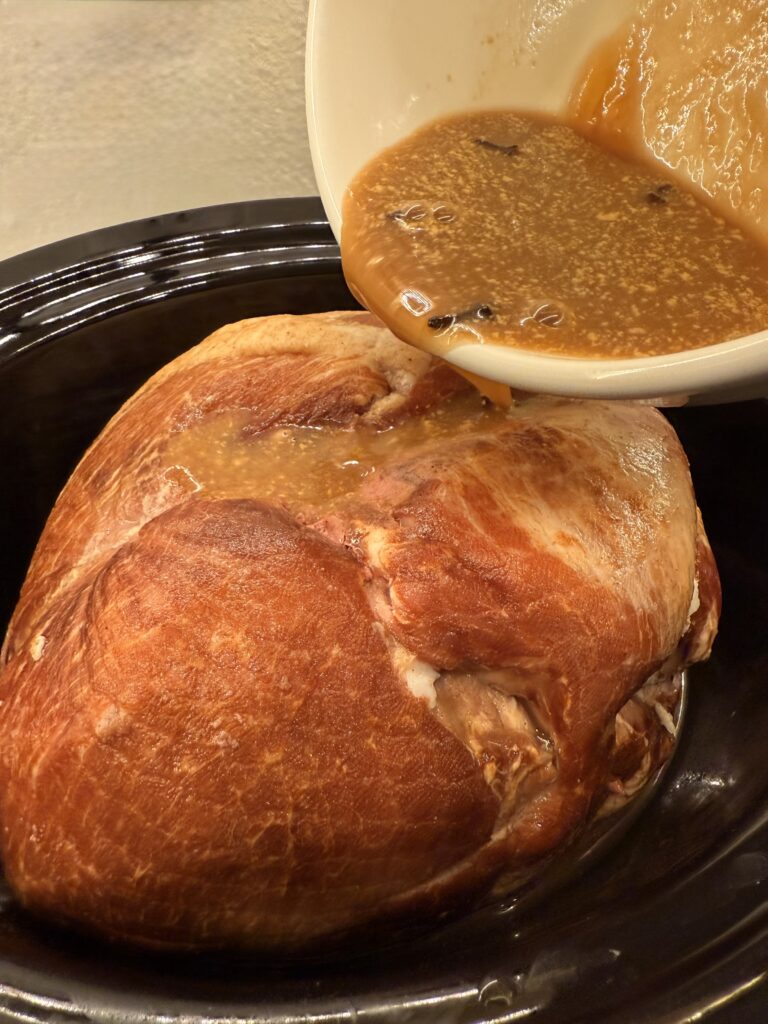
{"x":246,"y":712}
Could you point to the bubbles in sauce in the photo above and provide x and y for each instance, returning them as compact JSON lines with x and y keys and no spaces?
{"x":512,"y":229}
{"x":312,"y":466}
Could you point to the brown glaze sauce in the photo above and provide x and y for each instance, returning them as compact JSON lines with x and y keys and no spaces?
{"x":507,"y":228}
{"x":311,"y":466}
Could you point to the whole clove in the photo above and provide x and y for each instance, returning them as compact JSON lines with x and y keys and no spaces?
{"x":481,"y":312}
{"x":511,"y":150}
{"x":658,"y":195}
{"x":439,"y":323}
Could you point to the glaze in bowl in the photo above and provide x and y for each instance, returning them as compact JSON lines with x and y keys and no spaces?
{"x":431,"y":59}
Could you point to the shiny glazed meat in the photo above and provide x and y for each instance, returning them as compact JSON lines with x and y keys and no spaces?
{"x":229,"y":721}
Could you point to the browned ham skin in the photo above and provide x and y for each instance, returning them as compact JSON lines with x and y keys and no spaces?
{"x":240,"y":710}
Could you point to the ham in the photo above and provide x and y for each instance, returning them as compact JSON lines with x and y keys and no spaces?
{"x":251,"y":712}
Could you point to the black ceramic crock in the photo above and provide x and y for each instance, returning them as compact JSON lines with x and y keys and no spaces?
{"x":669,"y":927}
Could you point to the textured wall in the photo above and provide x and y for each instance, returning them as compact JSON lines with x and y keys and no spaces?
{"x":117,"y":109}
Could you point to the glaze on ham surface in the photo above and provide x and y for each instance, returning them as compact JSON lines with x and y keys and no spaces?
{"x":229,"y":721}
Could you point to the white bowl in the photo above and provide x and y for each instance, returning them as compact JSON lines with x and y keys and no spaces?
{"x":379,"y":69}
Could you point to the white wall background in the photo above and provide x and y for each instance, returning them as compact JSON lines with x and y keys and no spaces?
{"x":112,"y":110}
